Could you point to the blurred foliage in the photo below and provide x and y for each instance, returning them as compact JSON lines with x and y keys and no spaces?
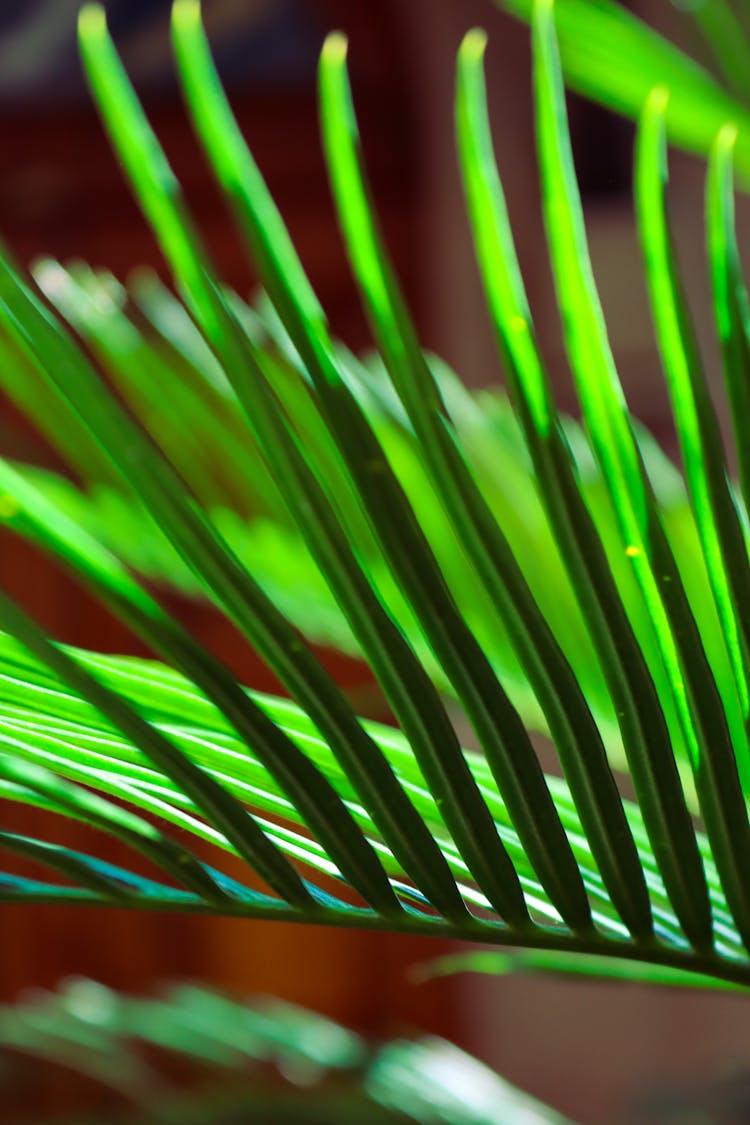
{"x":265,"y":1061}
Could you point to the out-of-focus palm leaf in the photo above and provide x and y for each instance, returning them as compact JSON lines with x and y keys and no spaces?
{"x":540,"y":961}
{"x":615,"y":58}
{"x":265,"y":1058}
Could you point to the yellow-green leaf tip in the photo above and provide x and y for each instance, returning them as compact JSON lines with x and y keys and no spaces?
{"x":543,"y":28}
{"x":727,"y":136}
{"x":658,"y":100}
{"x":474,"y":44}
{"x":92,"y":21}
{"x":186,"y":13}
{"x":335,"y":47}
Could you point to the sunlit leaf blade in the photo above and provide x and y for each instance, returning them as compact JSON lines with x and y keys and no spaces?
{"x":698,"y":429}
{"x":47,"y":790}
{"x":644,"y":731}
{"x":612,"y":56}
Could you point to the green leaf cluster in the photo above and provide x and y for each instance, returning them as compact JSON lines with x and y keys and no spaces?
{"x":486,"y":560}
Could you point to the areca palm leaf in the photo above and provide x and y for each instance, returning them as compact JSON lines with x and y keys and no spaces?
{"x":266,"y":1058}
{"x":609,"y":611}
{"x":616,"y":58}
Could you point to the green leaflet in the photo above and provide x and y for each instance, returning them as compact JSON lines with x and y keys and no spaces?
{"x":571,"y":965}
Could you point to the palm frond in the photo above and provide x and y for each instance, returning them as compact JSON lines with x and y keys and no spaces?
{"x":264,"y":1058}
{"x":608,"y":612}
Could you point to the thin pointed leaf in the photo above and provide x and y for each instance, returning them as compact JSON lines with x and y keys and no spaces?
{"x":543,"y":962}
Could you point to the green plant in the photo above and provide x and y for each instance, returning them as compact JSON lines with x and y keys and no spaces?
{"x":538,"y":574}
{"x":261,"y":1061}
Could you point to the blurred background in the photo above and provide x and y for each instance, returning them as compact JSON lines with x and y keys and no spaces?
{"x":599,"y":1053}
